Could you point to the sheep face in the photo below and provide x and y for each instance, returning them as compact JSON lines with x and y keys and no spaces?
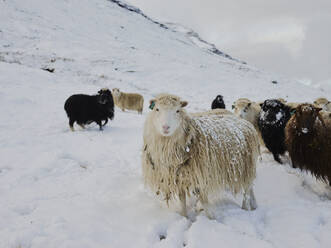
{"x":273,"y":112}
{"x":104,"y":96}
{"x":242,"y":110}
{"x":219,"y":98}
{"x":116,"y":92}
{"x":238,"y":105}
{"x":323,"y":103}
{"x":306,"y":115}
{"x":167,"y":117}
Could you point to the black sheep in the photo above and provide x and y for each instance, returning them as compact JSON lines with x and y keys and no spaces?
{"x":218,"y":103}
{"x":85,"y":109}
{"x":272,"y":121}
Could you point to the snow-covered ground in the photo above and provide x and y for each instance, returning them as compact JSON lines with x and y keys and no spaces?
{"x":84,"y":189}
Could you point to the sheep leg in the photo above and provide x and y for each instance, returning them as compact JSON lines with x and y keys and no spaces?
{"x":106,"y":121}
{"x":81,"y":125}
{"x":204,"y":203}
{"x":277,"y":158}
{"x":182,"y":198}
{"x":71,"y":124}
{"x":99,"y":122}
{"x":252,"y":199}
{"x":249,"y":201}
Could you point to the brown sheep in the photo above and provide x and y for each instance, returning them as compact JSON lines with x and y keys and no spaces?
{"x":308,"y":140}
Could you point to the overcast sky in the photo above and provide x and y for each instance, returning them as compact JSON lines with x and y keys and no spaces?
{"x":290,"y":37}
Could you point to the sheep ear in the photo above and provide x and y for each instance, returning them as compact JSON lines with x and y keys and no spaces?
{"x":183,"y":103}
{"x":152,"y":104}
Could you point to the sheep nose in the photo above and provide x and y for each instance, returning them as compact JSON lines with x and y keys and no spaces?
{"x":165,"y":127}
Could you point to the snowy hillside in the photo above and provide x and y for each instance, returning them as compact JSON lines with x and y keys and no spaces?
{"x":84,"y":189}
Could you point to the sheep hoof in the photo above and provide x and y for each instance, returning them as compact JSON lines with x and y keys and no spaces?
{"x":72,"y":129}
{"x":249,"y":201}
{"x":199,"y":210}
{"x":245,"y":206}
{"x":183,"y":212}
{"x":253,"y":205}
{"x":277,"y":158}
{"x":210,"y":215}
{"x":162,"y":237}
{"x":248,"y":207}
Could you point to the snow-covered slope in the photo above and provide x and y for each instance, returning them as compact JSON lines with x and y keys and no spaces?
{"x":84,"y":189}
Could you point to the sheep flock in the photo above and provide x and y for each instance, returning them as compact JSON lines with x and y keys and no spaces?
{"x":201,"y":155}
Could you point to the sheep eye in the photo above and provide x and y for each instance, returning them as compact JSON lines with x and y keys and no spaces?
{"x":157,"y":109}
{"x":177,"y":111}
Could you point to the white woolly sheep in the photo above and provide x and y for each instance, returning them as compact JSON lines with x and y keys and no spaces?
{"x":248,"y":110}
{"x":130,"y":101}
{"x":323,"y":103}
{"x":198,"y":154}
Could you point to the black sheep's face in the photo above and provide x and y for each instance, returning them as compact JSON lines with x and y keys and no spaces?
{"x":104,"y":96}
{"x":272,"y":111}
{"x":306,"y":115}
{"x":219,"y":98}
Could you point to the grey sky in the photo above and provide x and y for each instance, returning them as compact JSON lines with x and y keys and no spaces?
{"x":292,"y":38}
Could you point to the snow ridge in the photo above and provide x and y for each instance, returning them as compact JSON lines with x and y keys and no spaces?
{"x":194,"y":36}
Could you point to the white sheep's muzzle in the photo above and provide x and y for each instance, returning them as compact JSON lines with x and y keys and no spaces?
{"x":304,"y":130}
{"x":167,"y":121}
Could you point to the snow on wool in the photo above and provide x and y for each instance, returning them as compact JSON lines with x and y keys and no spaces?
{"x":85,"y":189}
{"x":272,"y":120}
{"x":223,"y":155}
